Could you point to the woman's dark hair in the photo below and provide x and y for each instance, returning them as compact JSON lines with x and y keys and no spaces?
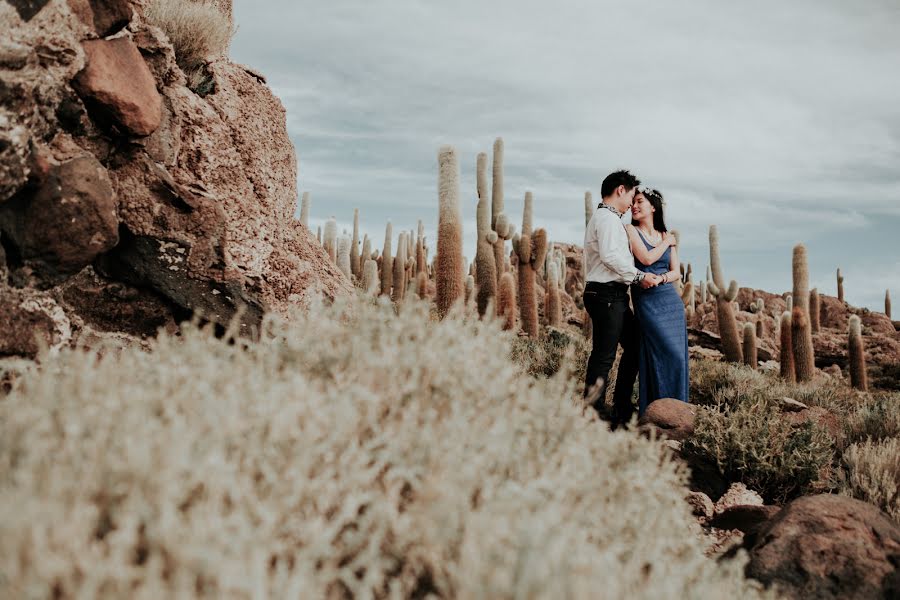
{"x":655,"y":198}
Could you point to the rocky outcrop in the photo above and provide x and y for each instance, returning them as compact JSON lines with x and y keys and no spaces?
{"x":829,"y":546}
{"x":129,"y":202}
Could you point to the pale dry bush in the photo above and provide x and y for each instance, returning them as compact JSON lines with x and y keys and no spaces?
{"x":198,"y":31}
{"x":351,"y":453}
{"x":872,"y":474}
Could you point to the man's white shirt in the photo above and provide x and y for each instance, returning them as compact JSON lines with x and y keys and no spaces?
{"x":607,"y":253}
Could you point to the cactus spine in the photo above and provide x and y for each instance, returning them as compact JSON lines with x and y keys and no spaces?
{"x":887,"y":303}
{"x":728,"y":328}
{"x":750,"y":353}
{"x":370,"y":281}
{"x":787,"y":352}
{"x":343,"y":256}
{"x":387,"y":262}
{"x":304,"y":210}
{"x":554,"y":307}
{"x":354,"y":246}
{"x":804,"y":358}
{"x":857,"y":353}
{"x":840,"y":285}
{"x":815,"y":309}
{"x":507,"y":303}
{"x":449,"y":265}
{"x":485,"y":269}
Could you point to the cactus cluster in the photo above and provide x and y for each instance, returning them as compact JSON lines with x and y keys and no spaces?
{"x":530,"y":248}
{"x":728,"y":328}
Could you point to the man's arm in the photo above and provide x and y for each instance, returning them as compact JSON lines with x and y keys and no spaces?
{"x":614,"y":252}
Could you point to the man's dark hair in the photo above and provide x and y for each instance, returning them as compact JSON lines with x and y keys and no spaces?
{"x":614,"y":180}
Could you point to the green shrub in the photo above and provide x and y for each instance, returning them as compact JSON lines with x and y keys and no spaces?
{"x":349,"y":453}
{"x":753,"y":443}
{"x":871,"y":472}
{"x":198,"y":31}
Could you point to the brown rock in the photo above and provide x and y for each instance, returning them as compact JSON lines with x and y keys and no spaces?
{"x":701,"y":504}
{"x":60,"y":226}
{"x":705,"y":475}
{"x":738,"y":494}
{"x":117,"y":84}
{"x":818,"y":416}
{"x":25,"y":317}
{"x":829,"y":546}
{"x":747,"y":518}
{"x":14,"y":153}
{"x":673,"y":418}
{"x":27,"y":9}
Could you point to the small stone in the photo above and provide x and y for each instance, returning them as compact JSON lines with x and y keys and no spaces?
{"x":790,"y":405}
{"x":701,"y":505}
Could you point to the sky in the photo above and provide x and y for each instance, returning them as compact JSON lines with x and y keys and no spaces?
{"x":778,"y":122}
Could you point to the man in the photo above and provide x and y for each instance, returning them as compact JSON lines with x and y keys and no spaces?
{"x":609,"y":271}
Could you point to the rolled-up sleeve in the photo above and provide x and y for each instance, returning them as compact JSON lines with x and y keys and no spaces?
{"x":614,"y":250}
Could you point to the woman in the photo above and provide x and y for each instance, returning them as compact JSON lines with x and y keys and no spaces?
{"x":659,"y":310}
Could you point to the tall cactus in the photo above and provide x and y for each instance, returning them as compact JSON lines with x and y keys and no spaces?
{"x":815,"y":310}
{"x":399,"y":279}
{"x":840,"y":285}
{"x":588,"y":208}
{"x":703,"y":296}
{"x":857,"y":351}
{"x":422,"y":284}
{"x":421,"y":262}
{"x":330,"y":242}
{"x":366,"y":253}
{"x":728,"y":328}
{"x":787,"y":351}
{"x":343,"y":256}
{"x":499,"y":223}
{"x":789,"y":302}
{"x":449,"y":265}
{"x":387,"y":261}
{"x":750,"y":352}
{"x":507,"y":302}
{"x":304,"y":210}
{"x":370,"y":283}
{"x":801,"y":330}
{"x":554,"y":306}
{"x":319,"y":234}
{"x":485,"y":269}
{"x":887,"y":303}
{"x":530,"y":251}
{"x":354,"y":246}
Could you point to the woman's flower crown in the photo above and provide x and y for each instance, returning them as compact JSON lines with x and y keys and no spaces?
{"x":649,"y":191}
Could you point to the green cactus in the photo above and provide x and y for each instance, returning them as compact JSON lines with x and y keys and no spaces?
{"x":750,"y":352}
{"x":449,"y":265}
{"x":304,"y":210}
{"x":485,"y":269}
{"x":387,"y":261}
{"x":728,"y":328}
{"x":857,"y":352}
{"x":354,"y":246}
{"x":840,"y":285}
{"x":804,"y":356}
{"x":787,"y":351}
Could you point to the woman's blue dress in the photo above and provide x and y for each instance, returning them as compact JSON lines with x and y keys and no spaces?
{"x":664,"y":368}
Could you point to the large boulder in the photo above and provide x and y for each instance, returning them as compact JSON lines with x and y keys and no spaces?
{"x":829,"y":546}
{"x":672,"y":418}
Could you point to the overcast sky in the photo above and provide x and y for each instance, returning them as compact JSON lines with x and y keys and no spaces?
{"x":779,"y":123}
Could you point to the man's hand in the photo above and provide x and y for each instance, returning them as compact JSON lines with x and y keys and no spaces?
{"x":650,"y":280}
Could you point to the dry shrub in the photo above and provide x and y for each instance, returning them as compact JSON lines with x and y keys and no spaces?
{"x":545,"y":356}
{"x":349,"y":453}
{"x":876,"y":419}
{"x":872,"y":473}
{"x":752,"y":443}
{"x":721,"y":384}
{"x":198,"y":31}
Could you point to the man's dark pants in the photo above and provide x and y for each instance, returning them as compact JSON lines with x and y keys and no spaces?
{"x":613,"y":324}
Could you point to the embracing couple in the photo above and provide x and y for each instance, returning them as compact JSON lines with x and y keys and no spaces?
{"x":641,"y":257}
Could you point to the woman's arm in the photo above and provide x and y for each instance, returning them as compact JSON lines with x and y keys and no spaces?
{"x":647,"y":257}
{"x":674,"y":272}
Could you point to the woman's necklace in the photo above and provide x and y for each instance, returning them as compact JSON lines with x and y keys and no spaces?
{"x":652,"y":236}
